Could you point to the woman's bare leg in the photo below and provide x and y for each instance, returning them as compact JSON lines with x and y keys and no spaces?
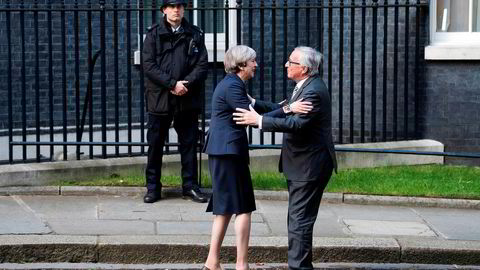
{"x":219,"y":227}
{"x":242,"y":233}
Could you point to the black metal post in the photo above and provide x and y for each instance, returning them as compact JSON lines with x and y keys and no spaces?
{"x":417,"y":57}
{"x":362,"y":72}
{"x":296,"y":11}
{"x":50,"y":76}
{"x":64,"y":82}
{"x":103,"y":72}
{"x":227,"y":26}
{"x":141,"y":89}
{"x":340,"y":75}
{"x":307,"y":21}
{"x":115,"y":60}
{"x":10,"y":96}
{"x":23,"y":76}
{"x":90,"y":94}
{"x":395,"y":72}
{"x":37,"y":82}
{"x":239,"y":22}
{"x":406,"y":82}
{"x":330,"y":38}
{"x":129,"y":78}
{"x":320,"y":33}
{"x":77,"y":76}
{"x":250,"y":44}
{"x":262,"y":58}
{"x":373,"y":127}
{"x":285,"y":47}
{"x":154,"y":12}
{"x":273,"y":64}
{"x":352,"y":69}
{"x":385,"y":70}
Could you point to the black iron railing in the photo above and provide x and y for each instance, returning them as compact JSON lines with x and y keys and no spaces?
{"x":373,"y":61}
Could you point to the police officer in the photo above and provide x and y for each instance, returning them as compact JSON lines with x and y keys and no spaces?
{"x":175,"y":66}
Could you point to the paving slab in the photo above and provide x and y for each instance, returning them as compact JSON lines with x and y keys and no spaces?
{"x":156,"y":239}
{"x":381,"y":227}
{"x":60,"y":207}
{"x":128,"y":208}
{"x":171,"y":209}
{"x":18,"y":218}
{"x":205,"y":228}
{"x":375,"y":212}
{"x":102,"y":227}
{"x":461,"y":224}
{"x":325,"y":226}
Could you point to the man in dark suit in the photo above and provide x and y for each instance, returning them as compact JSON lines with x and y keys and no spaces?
{"x":308,"y":154}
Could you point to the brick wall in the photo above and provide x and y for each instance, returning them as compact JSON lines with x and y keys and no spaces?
{"x":450,"y":107}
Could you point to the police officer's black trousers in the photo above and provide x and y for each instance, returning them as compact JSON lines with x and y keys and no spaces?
{"x":186,"y":126}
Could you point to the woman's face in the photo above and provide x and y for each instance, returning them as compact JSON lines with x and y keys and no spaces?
{"x":248,"y":71}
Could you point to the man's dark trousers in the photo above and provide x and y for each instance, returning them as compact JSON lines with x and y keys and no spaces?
{"x":186,"y":126}
{"x":303,"y":204}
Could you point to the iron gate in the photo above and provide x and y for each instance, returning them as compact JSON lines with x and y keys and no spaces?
{"x":71,"y":83}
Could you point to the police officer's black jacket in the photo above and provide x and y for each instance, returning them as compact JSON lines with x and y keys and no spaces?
{"x":168,"y":58}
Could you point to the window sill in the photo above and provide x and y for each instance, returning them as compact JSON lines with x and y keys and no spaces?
{"x":452,"y":52}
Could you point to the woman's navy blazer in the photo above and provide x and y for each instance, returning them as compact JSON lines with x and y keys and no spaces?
{"x":224,"y":137}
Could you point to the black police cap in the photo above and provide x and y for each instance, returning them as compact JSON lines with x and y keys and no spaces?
{"x":172,"y":2}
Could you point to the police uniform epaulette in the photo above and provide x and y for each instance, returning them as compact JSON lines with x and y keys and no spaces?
{"x":153,"y":26}
{"x":198,"y":29}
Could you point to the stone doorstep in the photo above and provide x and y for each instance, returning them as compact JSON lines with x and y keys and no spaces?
{"x":181,"y":249}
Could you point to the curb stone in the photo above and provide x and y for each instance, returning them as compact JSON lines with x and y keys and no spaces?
{"x":177,"y":249}
{"x":257,"y":266}
{"x":328,"y":197}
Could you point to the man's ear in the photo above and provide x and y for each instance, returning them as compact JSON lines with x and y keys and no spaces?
{"x":305,"y":70}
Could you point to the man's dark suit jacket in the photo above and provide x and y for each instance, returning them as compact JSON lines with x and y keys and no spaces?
{"x":307,"y":138}
{"x":224,"y":135}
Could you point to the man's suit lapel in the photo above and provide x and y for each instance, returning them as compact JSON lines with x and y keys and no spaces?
{"x":300,"y":91}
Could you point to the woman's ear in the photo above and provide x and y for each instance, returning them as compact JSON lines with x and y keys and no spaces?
{"x":241,"y":66}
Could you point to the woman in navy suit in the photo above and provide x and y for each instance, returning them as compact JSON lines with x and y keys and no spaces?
{"x":227,"y":149}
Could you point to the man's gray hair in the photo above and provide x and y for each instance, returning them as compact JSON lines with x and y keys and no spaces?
{"x":237,"y":56}
{"x":310,"y":58}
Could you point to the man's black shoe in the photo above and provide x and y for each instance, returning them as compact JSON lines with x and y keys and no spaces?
{"x":195,"y":195}
{"x":152,"y":196}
